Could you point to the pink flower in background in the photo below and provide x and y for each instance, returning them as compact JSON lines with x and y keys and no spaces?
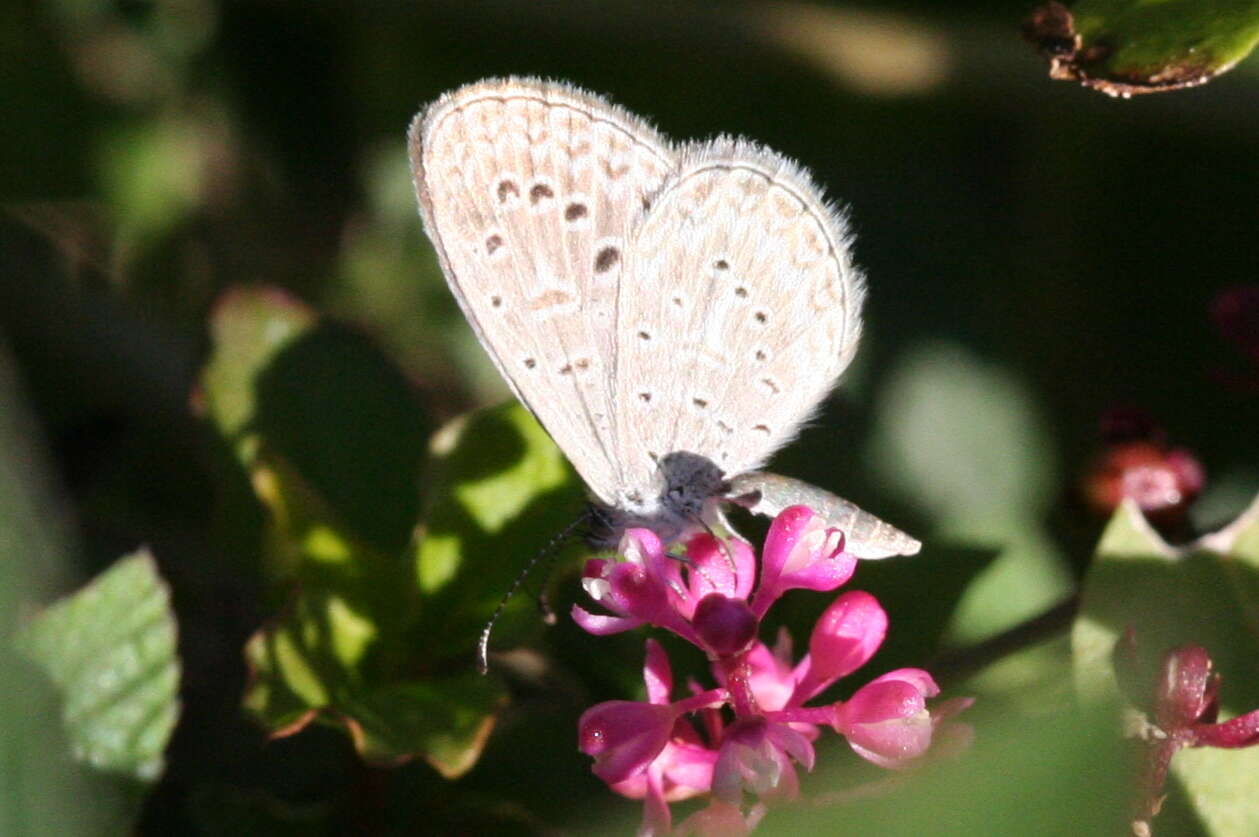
{"x":1139,"y":464}
{"x":749,"y":735}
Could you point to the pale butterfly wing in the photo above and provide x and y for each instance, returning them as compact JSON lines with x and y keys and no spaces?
{"x":738,"y":310}
{"x":866,"y":536}
{"x":642,"y":301}
{"x":530,"y":191}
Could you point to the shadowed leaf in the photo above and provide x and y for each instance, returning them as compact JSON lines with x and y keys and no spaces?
{"x":1206,"y":594}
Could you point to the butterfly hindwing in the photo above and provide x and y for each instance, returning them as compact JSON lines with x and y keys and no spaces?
{"x":739,"y":310}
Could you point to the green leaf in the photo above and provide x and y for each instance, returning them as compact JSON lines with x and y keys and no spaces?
{"x":1122,"y":47}
{"x":43,"y":791}
{"x":452,"y":716}
{"x":963,"y":440}
{"x":1206,"y":594}
{"x":1056,"y":774}
{"x":345,"y":649}
{"x":312,"y":667}
{"x":110,"y":649}
{"x":501,"y":491}
{"x":324,"y":399}
{"x":331,"y":438}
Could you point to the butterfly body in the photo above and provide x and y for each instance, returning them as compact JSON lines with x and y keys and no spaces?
{"x":671,"y":313}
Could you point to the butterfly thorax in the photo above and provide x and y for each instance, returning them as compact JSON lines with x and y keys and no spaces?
{"x":685,"y":482}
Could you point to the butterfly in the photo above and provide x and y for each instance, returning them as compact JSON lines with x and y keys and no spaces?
{"x":670,"y":313}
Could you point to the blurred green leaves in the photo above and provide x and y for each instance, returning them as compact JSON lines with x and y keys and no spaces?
{"x":1206,"y":594}
{"x":1122,"y":47}
{"x":110,"y":650}
{"x":185,"y":147}
{"x":378,"y":634}
{"x":501,"y":491}
{"x":962,"y":440}
{"x":284,"y":385}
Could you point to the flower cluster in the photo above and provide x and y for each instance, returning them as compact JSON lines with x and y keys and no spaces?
{"x":747,"y":735}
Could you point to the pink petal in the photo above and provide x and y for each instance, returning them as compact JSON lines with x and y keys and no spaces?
{"x":781,"y":541}
{"x":843,"y":640}
{"x":726,"y":567}
{"x":886,"y":722}
{"x":751,"y":757}
{"x":919,"y":679}
{"x":801,"y":551}
{"x":600,"y":625}
{"x":640,"y":546}
{"x":685,"y":770}
{"x":657,"y":674}
{"x":793,"y":743}
{"x":1181,"y":697}
{"x":623,"y":736}
{"x":635,"y":592}
{"x":657,"y":819}
{"x":771,"y":679}
{"x":643,"y":547}
{"x":1242,"y":731}
{"x":688,"y":769}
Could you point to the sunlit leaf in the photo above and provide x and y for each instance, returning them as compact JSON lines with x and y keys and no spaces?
{"x":502,"y":491}
{"x":331,"y":438}
{"x":450,"y":716}
{"x":110,"y":649}
{"x":1122,"y":47}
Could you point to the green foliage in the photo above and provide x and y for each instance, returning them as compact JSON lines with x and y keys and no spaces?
{"x":1206,"y":594}
{"x":1123,"y":47}
{"x":964,"y":441}
{"x":377,"y":636}
{"x":1034,"y":258}
{"x":1063,"y":774}
{"x":1146,"y":38}
{"x":110,"y":650}
{"x":501,"y":491}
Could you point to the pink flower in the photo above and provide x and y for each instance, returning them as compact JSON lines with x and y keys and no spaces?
{"x":1184,"y":705}
{"x":648,"y":586}
{"x":887,"y":721}
{"x":801,"y":551}
{"x":756,"y":755}
{"x":755,"y":729}
{"x":843,"y":640}
{"x":1138,"y":463}
{"x":648,"y":750}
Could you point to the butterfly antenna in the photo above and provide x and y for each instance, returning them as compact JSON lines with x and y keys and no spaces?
{"x":483,"y":644}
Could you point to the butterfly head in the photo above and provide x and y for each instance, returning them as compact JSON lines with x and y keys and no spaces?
{"x":685,"y":483}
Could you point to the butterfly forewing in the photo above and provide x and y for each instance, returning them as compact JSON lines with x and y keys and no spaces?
{"x":530,"y":192}
{"x":738,"y":311}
